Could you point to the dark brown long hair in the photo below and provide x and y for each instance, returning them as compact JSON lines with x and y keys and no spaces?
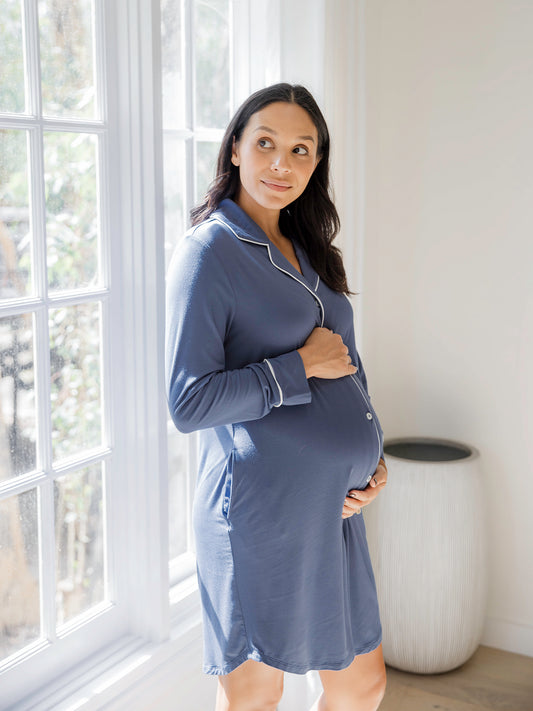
{"x":312,"y":218}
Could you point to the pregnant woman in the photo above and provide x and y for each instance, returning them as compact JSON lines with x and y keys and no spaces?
{"x":261,"y":358}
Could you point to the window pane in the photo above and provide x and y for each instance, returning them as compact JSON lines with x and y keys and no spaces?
{"x":211,"y":58}
{"x":71,"y":210}
{"x":206,"y":159}
{"x":15,"y":230}
{"x":174,"y":167}
{"x":75,"y":373}
{"x":79,"y":511}
{"x":66,"y":29}
{"x":17,"y":398}
{"x":171,"y":68}
{"x":19,"y":581}
{"x":11,"y":57}
{"x":177,"y":490}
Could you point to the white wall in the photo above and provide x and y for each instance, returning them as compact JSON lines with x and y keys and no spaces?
{"x":448,"y":267}
{"x":302,"y":44}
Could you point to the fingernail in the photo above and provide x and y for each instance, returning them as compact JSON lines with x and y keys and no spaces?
{"x":373,"y":482}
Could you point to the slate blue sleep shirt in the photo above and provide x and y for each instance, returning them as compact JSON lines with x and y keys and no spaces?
{"x":283,"y":578}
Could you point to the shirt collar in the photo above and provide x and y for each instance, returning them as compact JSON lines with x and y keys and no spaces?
{"x":246,"y":229}
{"x":242,"y":224}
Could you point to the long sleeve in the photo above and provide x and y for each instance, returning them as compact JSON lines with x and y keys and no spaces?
{"x":201,"y":392}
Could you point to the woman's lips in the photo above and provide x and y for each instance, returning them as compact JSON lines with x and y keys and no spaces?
{"x":279,"y":187}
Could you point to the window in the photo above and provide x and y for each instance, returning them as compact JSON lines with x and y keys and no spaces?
{"x":56,"y":431}
{"x":54,"y":291}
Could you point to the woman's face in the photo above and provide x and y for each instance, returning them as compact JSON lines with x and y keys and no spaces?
{"x":276,"y":155}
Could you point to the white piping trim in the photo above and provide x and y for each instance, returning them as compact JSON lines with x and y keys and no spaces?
{"x":365,"y":398}
{"x":263,"y":244}
{"x":229,"y":227}
{"x":279,"y":386}
{"x":299,"y":282}
{"x":317,"y":282}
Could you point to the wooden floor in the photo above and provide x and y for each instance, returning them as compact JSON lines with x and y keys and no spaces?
{"x":492,"y":680}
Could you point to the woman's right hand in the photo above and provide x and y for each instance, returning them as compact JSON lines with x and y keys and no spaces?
{"x":324,"y":355}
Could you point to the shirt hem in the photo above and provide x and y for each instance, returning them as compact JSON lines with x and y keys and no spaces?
{"x":290,"y":666}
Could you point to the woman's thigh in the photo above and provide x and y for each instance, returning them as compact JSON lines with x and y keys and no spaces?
{"x":359,"y":687}
{"x":253,"y":686}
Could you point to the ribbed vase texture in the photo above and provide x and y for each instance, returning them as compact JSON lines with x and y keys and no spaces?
{"x":426,"y":533}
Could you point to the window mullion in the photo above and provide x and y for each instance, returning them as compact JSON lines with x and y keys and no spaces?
{"x":44,"y":446}
{"x":231,"y":18}
{"x":44,"y":462}
{"x":187,"y":54}
{"x":20,"y":306}
{"x":100,"y":61}
{"x":74,"y":125}
{"x":42,"y":339}
{"x":47,"y":559}
{"x":32,"y":59}
{"x":105,"y":264}
{"x":104,"y":257}
{"x":188,"y":64}
{"x":102,"y":179}
{"x":20,"y":484}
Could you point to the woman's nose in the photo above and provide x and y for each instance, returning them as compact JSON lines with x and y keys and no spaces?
{"x":280,"y":164}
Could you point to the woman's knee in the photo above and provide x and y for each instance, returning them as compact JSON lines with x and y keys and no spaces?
{"x":364,"y":693}
{"x":366,"y":697}
{"x":373,"y":691}
{"x":376,"y":690}
{"x":253,"y":687}
{"x":250,"y":700}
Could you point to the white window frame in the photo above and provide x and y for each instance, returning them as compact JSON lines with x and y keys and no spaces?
{"x":149,"y":622}
{"x":33,"y":664}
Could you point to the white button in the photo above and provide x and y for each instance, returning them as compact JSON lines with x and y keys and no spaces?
{"x":368,"y":415}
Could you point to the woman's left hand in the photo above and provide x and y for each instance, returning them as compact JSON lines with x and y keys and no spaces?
{"x":356,"y":499}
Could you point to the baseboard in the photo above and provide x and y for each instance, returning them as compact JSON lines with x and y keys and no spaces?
{"x":510,"y":636}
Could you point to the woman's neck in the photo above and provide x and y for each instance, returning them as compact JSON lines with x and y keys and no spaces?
{"x":267,"y":220}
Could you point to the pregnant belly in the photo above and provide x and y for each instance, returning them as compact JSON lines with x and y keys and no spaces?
{"x":337,"y":431}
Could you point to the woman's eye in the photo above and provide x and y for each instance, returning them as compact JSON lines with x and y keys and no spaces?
{"x":265,"y":143}
{"x":301,"y":150}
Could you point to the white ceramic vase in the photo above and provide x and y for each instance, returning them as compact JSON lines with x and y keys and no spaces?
{"x":426,"y":534}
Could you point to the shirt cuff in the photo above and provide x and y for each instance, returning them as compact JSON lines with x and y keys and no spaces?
{"x":286,"y":374}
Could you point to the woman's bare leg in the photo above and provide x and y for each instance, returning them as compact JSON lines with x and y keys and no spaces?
{"x":359,"y":687}
{"x":253,"y":686}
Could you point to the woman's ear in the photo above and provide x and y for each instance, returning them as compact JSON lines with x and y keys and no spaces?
{"x":235,"y":153}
